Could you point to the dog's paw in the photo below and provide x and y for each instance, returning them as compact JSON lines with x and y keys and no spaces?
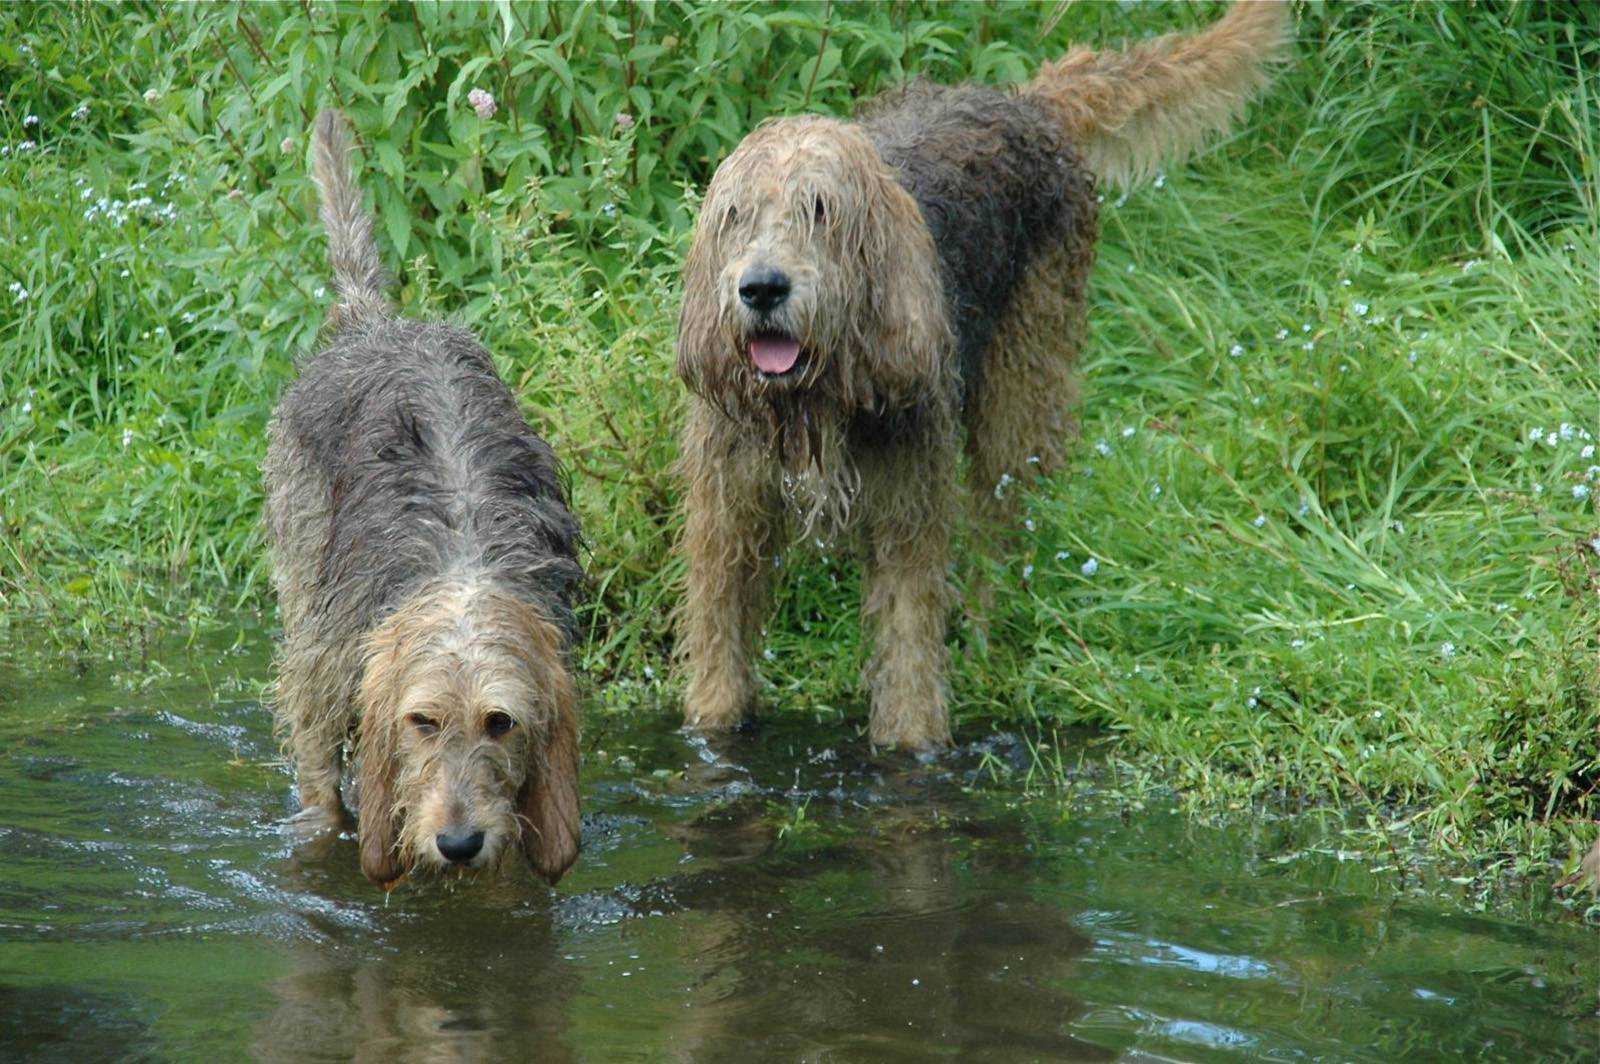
{"x":318,"y":823}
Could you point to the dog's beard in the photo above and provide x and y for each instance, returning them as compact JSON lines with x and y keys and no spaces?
{"x":819,"y":479}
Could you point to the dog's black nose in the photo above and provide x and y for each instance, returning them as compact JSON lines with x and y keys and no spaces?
{"x":459,"y":846}
{"x":763,"y":287}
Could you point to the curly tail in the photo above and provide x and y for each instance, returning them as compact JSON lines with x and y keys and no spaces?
{"x":1132,"y":112}
{"x":358,"y":275}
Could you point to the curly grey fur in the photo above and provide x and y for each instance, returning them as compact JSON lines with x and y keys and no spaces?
{"x":358,"y":274}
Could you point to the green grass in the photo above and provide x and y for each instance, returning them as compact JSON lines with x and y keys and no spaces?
{"x":1332,"y":562}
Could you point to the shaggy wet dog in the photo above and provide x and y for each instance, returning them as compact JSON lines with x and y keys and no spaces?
{"x":425,"y":562}
{"x":861,"y":297}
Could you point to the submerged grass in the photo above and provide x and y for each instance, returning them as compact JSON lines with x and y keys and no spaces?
{"x":1331,"y":531}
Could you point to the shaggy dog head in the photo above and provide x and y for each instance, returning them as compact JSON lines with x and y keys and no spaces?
{"x":811,"y":275}
{"x":468,"y":744}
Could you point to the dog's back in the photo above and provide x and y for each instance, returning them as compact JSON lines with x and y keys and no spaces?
{"x":431,"y":469}
{"x":424,"y":464}
{"x":997,"y":185}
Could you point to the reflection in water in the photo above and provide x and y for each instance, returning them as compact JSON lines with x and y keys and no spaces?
{"x":781,"y":897}
{"x":394,"y":1005}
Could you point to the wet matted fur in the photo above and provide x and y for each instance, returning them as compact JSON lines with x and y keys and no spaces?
{"x":425,"y":561}
{"x":862,"y":297}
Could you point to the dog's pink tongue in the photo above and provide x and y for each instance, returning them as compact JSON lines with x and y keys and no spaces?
{"x":774,"y":355}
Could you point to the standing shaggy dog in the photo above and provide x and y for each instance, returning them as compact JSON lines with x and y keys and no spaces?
{"x":859,"y":293}
{"x":425,"y":561}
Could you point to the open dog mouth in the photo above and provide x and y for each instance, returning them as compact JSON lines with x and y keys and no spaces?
{"x":775,"y":354}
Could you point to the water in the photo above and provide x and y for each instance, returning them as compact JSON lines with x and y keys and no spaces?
{"x":782,"y":897}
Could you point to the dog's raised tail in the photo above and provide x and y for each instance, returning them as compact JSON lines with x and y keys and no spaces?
{"x":358,"y":274}
{"x":1134,"y":111}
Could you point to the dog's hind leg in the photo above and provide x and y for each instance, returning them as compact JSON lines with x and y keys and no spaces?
{"x":1021,"y":417}
{"x":729,"y":537}
{"x":909,"y":499}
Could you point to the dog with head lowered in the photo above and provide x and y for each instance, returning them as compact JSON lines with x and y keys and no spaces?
{"x":864,"y":299}
{"x":425,"y":561}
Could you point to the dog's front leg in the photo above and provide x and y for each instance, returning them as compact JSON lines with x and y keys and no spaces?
{"x":312,"y":706}
{"x":909,"y":502}
{"x":729,"y":534}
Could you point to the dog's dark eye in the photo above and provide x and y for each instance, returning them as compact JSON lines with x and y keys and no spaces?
{"x":820,"y":210}
{"x":733,"y":214}
{"x":423,"y":723}
{"x":497,"y":724}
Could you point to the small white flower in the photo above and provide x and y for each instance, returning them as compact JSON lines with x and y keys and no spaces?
{"x":286,"y":145}
{"x":1305,"y":506}
{"x":1033,"y":459}
{"x":124,"y":273}
{"x":1283,"y":334}
{"x":1412,"y":358}
{"x":1587,"y":452}
{"x":1090,"y":567}
{"x":1306,"y":327}
{"x":1130,"y":267}
{"x":320,"y":292}
{"x":1466,"y":267}
{"x":1580,"y":491}
{"x":1297,"y":644}
{"x":26,"y":145}
{"x":1536,"y":434}
{"x":1236,"y":350}
{"x":30,"y":120}
{"x":127,"y":438}
{"x":1447,"y":649}
{"x":81,"y":113}
{"x":1028,"y":524}
{"x":188,"y":317}
{"x":1360,"y":309}
{"x":1565,"y":431}
{"x":1129,"y":431}
{"x":649,"y":673}
{"x":27,"y":408}
{"x":1027,"y":572}
{"x":999,"y":488}
{"x":1160,"y":181}
{"x":1155,"y":490}
{"x":1103,"y":448}
{"x":1309,"y":345}
{"x":768,"y":654}
{"x":1594,"y":544}
{"x":1062,"y":555}
{"x":1260,"y":521}
{"x":1397,"y":527}
{"x":1251,"y":702}
{"x":152,"y":95}
{"x":1550,"y":440}
{"x":1538,"y":489}
{"x":482,"y":102}
{"x":1592,"y":472}
{"x":1345,"y":282}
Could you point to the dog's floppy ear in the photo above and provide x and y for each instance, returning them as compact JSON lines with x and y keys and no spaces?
{"x":906,"y":352}
{"x":702,"y":342}
{"x":379,"y":859}
{"x":375,"y":768}
{"x":549,"y":799}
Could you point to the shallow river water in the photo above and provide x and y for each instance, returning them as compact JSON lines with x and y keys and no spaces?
{"x":783,"y":896}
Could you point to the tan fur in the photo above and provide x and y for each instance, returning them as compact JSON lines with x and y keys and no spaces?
{"x":457,"y":654}
{"x":1131,"y":112}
